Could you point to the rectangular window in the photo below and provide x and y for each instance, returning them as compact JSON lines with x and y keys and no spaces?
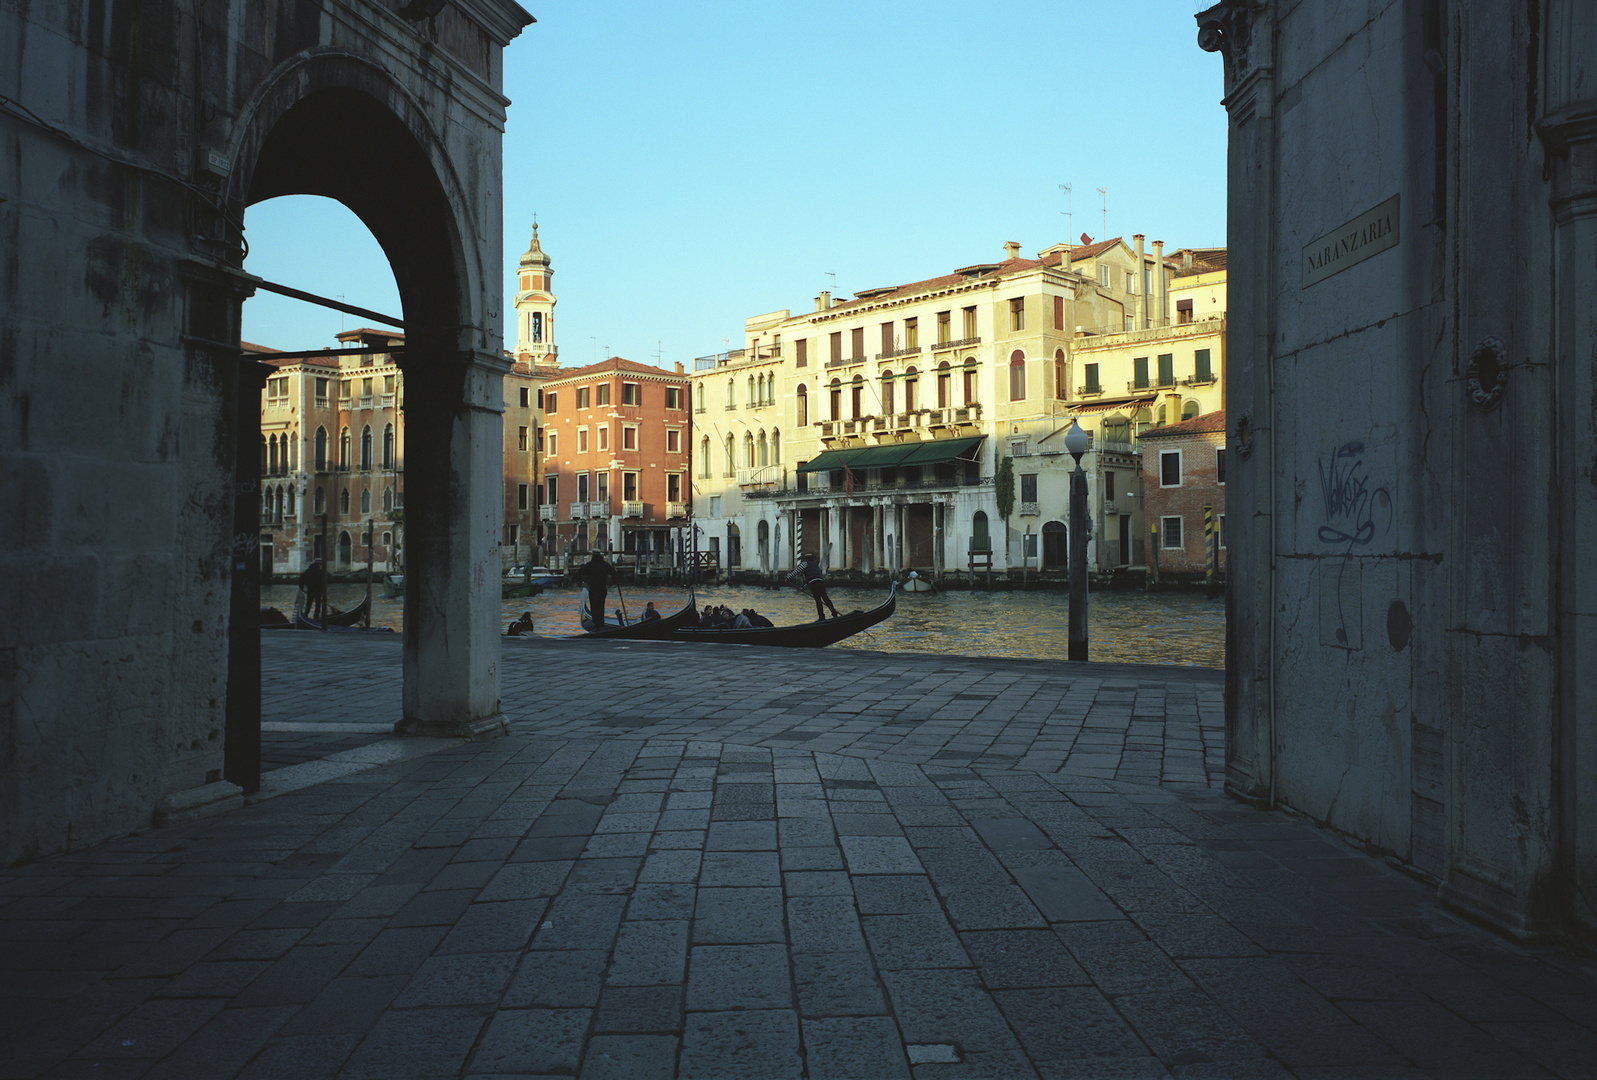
{"x":673,"y":397}
{"x":1017,"y":380}
{"x":1131,"y":282}
{"x":1200,"y":366}
{"x":554,"y":442}
{"x":911,"y":333}
{"x":970,"y":386}
{"x":970,"y":323}
{"x":945,"y":379}
{"x":1131,"y":323}
{"x":583,"y":397}
{"x":715,"y":511}
{"x":837,"y":346}
{"x":540,"y":440}
{"x":551,"y":489}
{"x":1103,"y":275}
{"x":604,"y":436}
{"x":1059,"y":313}
{"x":1219,"y":464}
{"x":521,"y":496}
{"x":1139,"y":373}
{"x":887,"y":396}
{"x":521,"y":439}
{"x":943,"y":326}
{"x":857,"y":340}
{"x":603,"y":492}
{"x":673,"y":487}
{"x":1167,"y":369}
{"x":631,"y":394}
{"x":629,"y":486}
{"x":549,"y":403}
{"x":629,"y":437}
{"x":601,"y":394}
{"x":1017,"y":313}
{"x":1092,"y":386}
{"x":1183,"y":311}
{"x":321,"y":391}
{"x":801,"y":354}
{"x":673,"y":441}
{"x":1170,"y":468}
{"x":582,"y":487}
{"x":1170,"y":533}
{"x":1109,"y":485}
{"x":582,"y":440}
{"x":1028,"y":487}
{"x":343,"y":388}
{"x":887,"y":337}
{"x":525,"y":396}
{"x":540,"y":399}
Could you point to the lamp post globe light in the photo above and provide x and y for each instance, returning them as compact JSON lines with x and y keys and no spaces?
{"x":1077,"y":442}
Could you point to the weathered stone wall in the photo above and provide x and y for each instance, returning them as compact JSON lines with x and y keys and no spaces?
{"x":1408,"y":616}
{"x":128,"y":143}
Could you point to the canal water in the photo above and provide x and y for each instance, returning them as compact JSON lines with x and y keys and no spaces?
{"x":1123,"y":627}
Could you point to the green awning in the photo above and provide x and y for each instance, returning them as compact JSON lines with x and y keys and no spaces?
{"x":829,"y":460}
{"x":878,"y":457}
{"x":937,"y":451}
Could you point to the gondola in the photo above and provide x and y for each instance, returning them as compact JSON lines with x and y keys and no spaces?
{"x":811,"y":635}
{"x":361,"y":613}
{"x":641,"y":629}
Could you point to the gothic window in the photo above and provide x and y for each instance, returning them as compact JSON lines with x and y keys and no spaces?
{"x":321,"y":450}
{"x":366,"y":448}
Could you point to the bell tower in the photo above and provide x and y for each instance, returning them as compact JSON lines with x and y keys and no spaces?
{"x":535,"y":307}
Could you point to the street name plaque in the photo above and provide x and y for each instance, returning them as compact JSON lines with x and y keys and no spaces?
{"x":1371,"y":233}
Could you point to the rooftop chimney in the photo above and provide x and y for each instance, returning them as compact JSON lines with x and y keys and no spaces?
{"x":1140,"y":321}
{"x":1012,"y":250}
{"x":1160,"y":318}
{"x":679,"y":367}
{"x":823,"y":301}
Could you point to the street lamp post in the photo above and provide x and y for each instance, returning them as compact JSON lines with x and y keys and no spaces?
{"x":1077,"y":442}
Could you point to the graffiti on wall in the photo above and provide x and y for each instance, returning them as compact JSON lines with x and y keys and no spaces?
{"x":1353,"y":506}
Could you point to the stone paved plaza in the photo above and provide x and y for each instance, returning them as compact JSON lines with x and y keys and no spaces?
{"x":705,"y":861}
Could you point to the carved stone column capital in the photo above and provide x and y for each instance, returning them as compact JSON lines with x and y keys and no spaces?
{"x":1228,"y":28}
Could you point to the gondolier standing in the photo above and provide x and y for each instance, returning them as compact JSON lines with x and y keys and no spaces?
{"x":809,"y":571}
{"x":596,"y":574}
{"x":314,"y":582}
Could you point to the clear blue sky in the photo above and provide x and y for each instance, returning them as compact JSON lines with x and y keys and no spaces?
{"x":692,"y":165}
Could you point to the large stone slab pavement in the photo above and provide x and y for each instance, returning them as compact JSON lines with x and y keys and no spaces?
{"x":717,"y":862}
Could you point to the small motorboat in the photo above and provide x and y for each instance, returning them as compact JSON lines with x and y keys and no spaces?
{"x":917,"y":584}
{"x":536,"y":575}
{"x":394,"y":585}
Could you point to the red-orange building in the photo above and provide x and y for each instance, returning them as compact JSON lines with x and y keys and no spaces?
{"x":1183,"y":471}
{"x":615,"y":457}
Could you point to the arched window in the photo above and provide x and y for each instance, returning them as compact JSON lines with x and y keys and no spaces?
{"x":366,"y":448}
{"x":803,"y":405}
{"x":320,"y":502}
{"x":945,"y":385}
{"x":887,"y":393}
{"x":748,"y":451}
{"x":321,"y":449}
{"x":366,"y":502}
{"x":1017,"y":376}
{"x":856,"y":396}
{"x":266,"y":504}
{"x":265,"y":458}
{"x":1142,"y":420}
{"x":343,"y":501}
{"x":765,"y":450}
{"x":836,"y":393}
{"x":970,"y":380}
{"x":277,"y":509}
{"x":731,"y":455}
{"x":345,"y":549}
{"x":269,"y":449}
{"x":388,"y":446}
{"x":753,"y":399}
{"x":1189,"y":409}
{"x":911,"y":381}
{"x":1117,"y":428}
{"x":293,"y":451}
{"x":388,"y":503}
{"x":1061,"y":379}
{"x":343,"y":449}
{"x":1055,"y":549}
{"x":1162,"y":418}
{"x":731,"y":392}
{"x":701,"y":397}
{"x":776,"y":447}
{"x":388,"y":540}
{"x":704,"y":456}
{"x":291,"y":510}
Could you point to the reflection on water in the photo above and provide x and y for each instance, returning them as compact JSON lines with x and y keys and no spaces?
{"x":1126,"y":627}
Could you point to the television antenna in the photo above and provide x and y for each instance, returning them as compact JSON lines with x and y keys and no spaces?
{"x":1105,"y":193}
{"x":1069,"y":206}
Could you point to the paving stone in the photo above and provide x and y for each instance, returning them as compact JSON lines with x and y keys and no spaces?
{"x":649,"y":953}
{"x":350,"y":1004}
{"x":897,"y":894}
{"x":913,"y":941}
{"x":468,"y":979}
{"x":526,"y":881}
{"x":557,"y":979}
{"x":1022,"y":959}
{"x":494,"y":927}
{"x":823,"y":924}
{"x":1064,"y":894}
{"x":826,"y":857}
{"x":304,"y":1057}
{"x":837,"y":984}
{"x":740,"y":1045}
{"x":532,"y":1041}
{"x":879,"y":855}
{"x":297,"y":977}
{"x":397,"y":951}
{"x":740,"y":868}
{"x":738,"y":916}
{"x":662,"y":901}
{"x":630,"y":1057}
{"x":580,"y":921}
{"x":741,"y":836}
{"x":738,"y":977}
{"x":854,"y":1048}
{"x":639,"y":1009}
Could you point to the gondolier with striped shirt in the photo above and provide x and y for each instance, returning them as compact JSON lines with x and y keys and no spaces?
{"x":809,"y":577}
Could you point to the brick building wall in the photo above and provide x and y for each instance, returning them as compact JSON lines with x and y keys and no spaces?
{"x":1191,"y":454}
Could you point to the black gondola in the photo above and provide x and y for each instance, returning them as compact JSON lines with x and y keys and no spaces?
{"x":361,"y":613}
{"x":641,"y":629}
{"x":812,"y":635}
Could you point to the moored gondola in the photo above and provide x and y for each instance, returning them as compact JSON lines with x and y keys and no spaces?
{"x":810,"y":635}
{"x":360,"y":614}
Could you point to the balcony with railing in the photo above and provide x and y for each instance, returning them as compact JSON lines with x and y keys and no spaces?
{"x":1027,"y":509}
{"x":904,"y":421}
{"x":1090,"y":390}
{"x":962,"y":343}
{"x":907,"y":350}
{"x":675,"y":510}
{"x":546,"y":513}
{"x":1207,"y":378}
{"x":1134,"y":385}
{"x":598,"y":509}
{"x":967,"y":414}
{"x":579,"y":510}
{"x":845,"y":361}
{"x":632,"y":508}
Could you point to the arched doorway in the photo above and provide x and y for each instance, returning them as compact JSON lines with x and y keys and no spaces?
{"x":734,"y":546}
{"x":764,"y":540}
{"x":979,"y":540}
{"x":1055,"y":551}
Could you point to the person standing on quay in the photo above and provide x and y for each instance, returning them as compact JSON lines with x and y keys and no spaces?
{"x":809,"y":569}
{"x":596,"y":575}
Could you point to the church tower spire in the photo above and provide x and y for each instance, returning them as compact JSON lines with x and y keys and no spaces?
{"x":535,"y":306}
